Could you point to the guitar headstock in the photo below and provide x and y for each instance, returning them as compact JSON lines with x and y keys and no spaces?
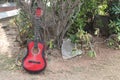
{"x":38,"y":12}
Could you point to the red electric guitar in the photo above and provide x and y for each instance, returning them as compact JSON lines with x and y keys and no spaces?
{"x":35,"y":61}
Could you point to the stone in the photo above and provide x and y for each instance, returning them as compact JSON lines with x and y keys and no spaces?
{"x":68,"y":49}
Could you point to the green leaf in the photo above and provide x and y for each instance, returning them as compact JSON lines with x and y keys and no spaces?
{"x":118,"y":38}
{"x":92,"y":53}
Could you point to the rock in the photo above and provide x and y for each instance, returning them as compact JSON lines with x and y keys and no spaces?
{"x":67,"y":49}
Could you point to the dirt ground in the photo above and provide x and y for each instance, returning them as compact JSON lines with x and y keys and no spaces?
{"x":105,"y":66}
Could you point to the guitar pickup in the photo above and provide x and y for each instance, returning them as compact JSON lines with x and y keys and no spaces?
{"x":36,"y":62}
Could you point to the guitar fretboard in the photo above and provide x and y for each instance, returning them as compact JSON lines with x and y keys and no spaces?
{"x":36,"y":32}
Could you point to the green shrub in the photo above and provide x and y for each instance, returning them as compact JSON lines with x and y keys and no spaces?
{"x":88,"y":10}
{"x":25,"y":28}
{"x":114,"y":25}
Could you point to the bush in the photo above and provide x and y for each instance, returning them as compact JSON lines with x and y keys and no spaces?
{"x":84,"y":21}
{"x":114,"y":11}
{"x":114,"y":26}
{"x":56,"y":20}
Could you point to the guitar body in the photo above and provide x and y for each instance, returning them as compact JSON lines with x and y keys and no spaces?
{"x":34,"y":61}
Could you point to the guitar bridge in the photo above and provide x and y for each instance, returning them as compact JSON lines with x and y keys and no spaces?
{"x":36,"y":62}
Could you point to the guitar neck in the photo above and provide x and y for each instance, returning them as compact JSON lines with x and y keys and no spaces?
{"x":36,"y":33}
